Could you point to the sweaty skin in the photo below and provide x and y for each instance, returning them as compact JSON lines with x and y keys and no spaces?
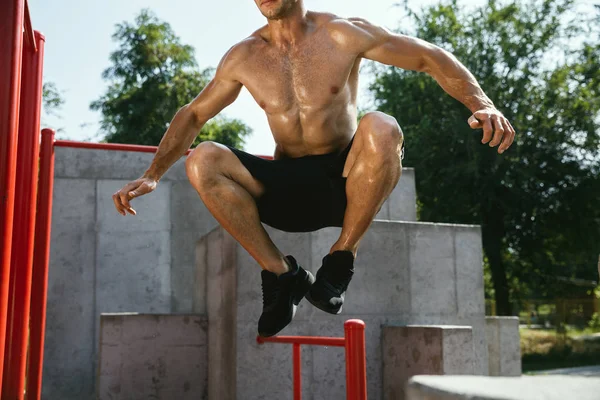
{"x":302,"y":70}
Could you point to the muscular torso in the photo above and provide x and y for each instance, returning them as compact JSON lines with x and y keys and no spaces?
{"x":308,"y":90}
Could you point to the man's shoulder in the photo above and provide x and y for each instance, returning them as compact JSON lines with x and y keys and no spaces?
{"x":240,"y":52}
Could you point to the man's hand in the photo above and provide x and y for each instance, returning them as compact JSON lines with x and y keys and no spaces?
{"x":134,"y":189}
{"x":493,"y":122}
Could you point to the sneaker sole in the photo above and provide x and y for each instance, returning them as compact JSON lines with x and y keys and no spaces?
{"x":321,"y":307}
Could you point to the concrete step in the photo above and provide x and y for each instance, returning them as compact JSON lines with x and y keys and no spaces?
{"x":407,"y":273}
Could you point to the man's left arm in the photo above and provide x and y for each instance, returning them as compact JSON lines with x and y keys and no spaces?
{"x":406,"y":52}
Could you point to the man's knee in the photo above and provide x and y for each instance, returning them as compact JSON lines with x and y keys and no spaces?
{"x":381,"y":131}
{"x":204,"y":162}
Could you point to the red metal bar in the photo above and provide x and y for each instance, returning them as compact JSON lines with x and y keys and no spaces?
{"x":41,"y":258}
{"x":11,"y":44}
{"x":118,"y":146}
{"x":297,"y":372}
{"x":24,"y":228}
{"x":310,"y":340}
{"x":356,"y":366}
{"x":29,"y":34}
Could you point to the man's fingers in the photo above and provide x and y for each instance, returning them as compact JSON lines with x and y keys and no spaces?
{"x":118,"y":205}
{"x":498,"y":131}
{"x":473,"y":122}
{"x":487,"y":131}
{"x":509,"y":136}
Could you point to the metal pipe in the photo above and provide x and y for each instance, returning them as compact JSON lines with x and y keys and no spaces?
{"x":356,"y":365}
{"x":41,"y":259}
{"x":117,"y":147}
{"x":24,"y":216}
{"x":297,"y":371}
{"x":11,"y":31}
{"x":30,"y":40}
{"x":310,"y":340}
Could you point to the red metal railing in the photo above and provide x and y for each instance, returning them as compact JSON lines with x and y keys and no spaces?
{"x":24,"y":216}
{"x":26,"y":202}
{"x":39,"y":286}
{"x":356,"y":366}
{"x":117,"y":147}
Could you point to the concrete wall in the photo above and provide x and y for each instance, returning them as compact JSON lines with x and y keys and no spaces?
{"x":161,"y":357}
{"x":102,"y":262}
{"x":504,"y":346}
{"x":424,"y":350}
{"x":406,"y":274}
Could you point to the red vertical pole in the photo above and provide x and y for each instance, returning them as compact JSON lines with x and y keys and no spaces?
{"x":24,"y":216}
{"x":11,"y":44}
{"x":297,"y":372}
{"x":41,"y":258}
{"x":356,"y":365}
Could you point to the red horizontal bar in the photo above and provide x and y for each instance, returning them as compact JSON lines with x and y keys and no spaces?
{"x":118,"y":147}
{"x":309,"y":340}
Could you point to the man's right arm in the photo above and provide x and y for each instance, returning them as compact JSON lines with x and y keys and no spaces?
{"x":188,"y":121}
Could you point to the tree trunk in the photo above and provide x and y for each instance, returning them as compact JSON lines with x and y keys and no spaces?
{"x":492,"y":230}
{"x":494,"y":255}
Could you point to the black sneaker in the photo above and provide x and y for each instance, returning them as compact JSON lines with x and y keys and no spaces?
{"x":281,"y":296}
{"x":333,"y":279}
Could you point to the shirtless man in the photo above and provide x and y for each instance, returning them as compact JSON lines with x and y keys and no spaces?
{"x":328,"y":170}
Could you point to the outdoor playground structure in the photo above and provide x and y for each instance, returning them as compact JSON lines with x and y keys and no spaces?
{"x":186,"y":264}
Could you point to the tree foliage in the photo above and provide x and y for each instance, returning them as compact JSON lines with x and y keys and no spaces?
{"x":152,"y":75}
{"x":538,"y":202}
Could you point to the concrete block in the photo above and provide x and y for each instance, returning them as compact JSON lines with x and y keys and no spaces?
{"x":500,"y":388}
{"x":73,"y":205}
{"x":401,"y":205}
{"x":469,"y":267}
{"x":401,"y":266}
{"x":153,"y":356}
{"x":152,"y":210}
{"x":133,"y":272}
{"x":504,"y":346}
{"x":381,"y":278}
{"x":100,"y":164}
{"x":108,"y":164}
{"x":220,"y":266}
{"x":402,"y":202}
{"x":432,"y":269}
{"x":415,"y":350}
{"x":190,"y":221}
{"x":70,"y":330}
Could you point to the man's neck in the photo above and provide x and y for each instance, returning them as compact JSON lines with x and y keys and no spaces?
{"x":290,"y":29}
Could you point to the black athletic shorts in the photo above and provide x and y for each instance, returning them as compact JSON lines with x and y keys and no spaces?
{"x":301,"y":194}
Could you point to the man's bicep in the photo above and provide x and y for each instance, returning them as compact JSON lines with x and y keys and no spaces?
{"x":218,"y":94}
{"x":381,"y":45}
{"x":224,"y":88}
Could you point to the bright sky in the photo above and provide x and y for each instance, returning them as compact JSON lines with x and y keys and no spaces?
{"x":78,"y":44}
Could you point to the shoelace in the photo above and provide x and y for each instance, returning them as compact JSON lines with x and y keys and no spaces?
{"x":270,"y":291}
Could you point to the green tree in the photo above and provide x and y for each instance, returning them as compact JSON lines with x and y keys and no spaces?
{"x":538,"y":202}
{"x":51,"y":98}
{"x":152,"y":75}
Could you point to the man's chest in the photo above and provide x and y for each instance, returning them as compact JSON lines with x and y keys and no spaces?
{"x":312,"y":76}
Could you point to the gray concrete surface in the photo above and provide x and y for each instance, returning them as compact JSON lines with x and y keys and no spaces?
{"x":424,"y":350}
{"x":407,"y":273}
{"x":161,"y":357}
{"x":503,"y":388}
{"x":504,"y":346}
{"x":102,"y":262}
